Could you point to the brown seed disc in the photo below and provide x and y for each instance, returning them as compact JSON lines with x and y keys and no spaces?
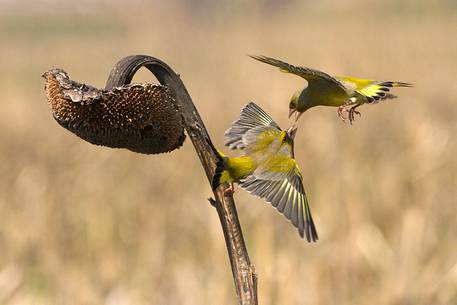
{"x":140,"y":117}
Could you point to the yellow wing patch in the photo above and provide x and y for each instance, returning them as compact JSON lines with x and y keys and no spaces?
{"x":372,"y":90}
{"x":260,"y":140}
{"x":280,"y":164}
{"x":380,"y":90}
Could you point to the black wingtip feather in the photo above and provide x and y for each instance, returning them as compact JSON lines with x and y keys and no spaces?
{"x":403,"y":84}
{"x":271,"y":61}
{"x":310,"y":228}
{"x":387,"y":84}
{"x":259,"y":57}
{"x":312,"y":231}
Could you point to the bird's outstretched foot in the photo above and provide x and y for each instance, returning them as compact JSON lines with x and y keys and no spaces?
{"x":352,"y":112}
{"x":230,"y":190}
{"x":341,"y":110}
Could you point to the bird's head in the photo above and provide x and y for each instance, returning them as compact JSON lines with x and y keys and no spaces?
{"x":298,"y":103}
{"x":293,"y":105}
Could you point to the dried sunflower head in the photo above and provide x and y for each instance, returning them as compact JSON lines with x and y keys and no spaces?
{"x":140,"y":117}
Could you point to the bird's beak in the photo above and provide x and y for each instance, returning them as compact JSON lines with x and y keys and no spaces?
{"x":292,"y":131}
{"x":291,"y":111}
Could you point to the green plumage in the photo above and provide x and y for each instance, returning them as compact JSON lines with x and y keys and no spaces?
{"x":338,"y":91}
{"x":267,"y":168}
{"x":233,"y":170}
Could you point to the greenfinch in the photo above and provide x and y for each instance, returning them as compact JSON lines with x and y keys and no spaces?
{"x":345,"y":92}
{"x":267,"y":168}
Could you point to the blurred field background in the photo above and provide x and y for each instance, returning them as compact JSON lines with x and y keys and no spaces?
{"x":81,"y":224}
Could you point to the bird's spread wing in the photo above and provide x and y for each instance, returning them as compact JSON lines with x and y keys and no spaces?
{"x":279,"y":182}
{"x":373,"y":91}
{"x":251,"y":117}
{"x":311,"y":75}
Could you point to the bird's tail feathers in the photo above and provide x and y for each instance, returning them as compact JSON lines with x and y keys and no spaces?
{"x":388,"y":96}
{"x":396,"y":84}
{"x":220,"y":173}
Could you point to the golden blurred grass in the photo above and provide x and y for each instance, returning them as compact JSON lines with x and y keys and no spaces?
{"x":88,"y":225}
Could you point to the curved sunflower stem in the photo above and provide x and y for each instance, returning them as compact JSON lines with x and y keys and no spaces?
{"x":243,"y":272}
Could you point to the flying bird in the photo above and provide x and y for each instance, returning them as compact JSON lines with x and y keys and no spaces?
{"x":267,"y":168}
{"x":345,"y":92}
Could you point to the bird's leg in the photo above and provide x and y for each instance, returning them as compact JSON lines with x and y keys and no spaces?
{"x":342,"y":109}
{"x":230,"y":190}
{"x":352,"y":112}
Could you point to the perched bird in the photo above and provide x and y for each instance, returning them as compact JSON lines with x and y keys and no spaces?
{"x":267,"y":168}
{"x":338,"y":91}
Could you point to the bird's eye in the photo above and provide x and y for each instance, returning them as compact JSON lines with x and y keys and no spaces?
{"x":291,"y":105}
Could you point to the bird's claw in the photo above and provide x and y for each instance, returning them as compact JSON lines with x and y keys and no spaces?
{"x":230,"y":190}
{"x":351,"y":113}
{"x":341,"y":110}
